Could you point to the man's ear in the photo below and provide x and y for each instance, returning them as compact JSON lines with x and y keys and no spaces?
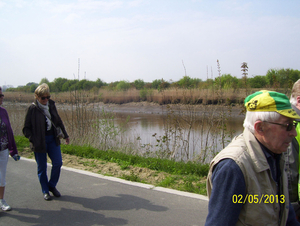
{"x":298,"y":101}
{"x":258,"y":127}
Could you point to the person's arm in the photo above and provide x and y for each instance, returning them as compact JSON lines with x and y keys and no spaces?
{"x":27,"y":125}
{"x":11,"y":140}
{"x":227,"y":180}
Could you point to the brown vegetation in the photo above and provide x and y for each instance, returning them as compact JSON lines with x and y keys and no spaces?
{"x":168,"y":96}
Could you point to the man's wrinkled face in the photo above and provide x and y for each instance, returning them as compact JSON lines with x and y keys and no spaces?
{"x":276,"y":137}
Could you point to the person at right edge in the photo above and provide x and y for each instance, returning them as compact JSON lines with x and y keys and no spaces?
{"x":247,"y":182}
{"x":40,"y":125}
{"x":291,"y":157}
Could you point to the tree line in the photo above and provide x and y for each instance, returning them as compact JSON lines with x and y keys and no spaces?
{"x":274,"y":78}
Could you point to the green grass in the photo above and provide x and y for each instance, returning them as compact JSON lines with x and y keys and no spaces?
{"x":184,"y":176}
{"x":132,"y":177}
{"x":188,"y":183}
{"x":125,"y":160}
{"x":22,"y":142}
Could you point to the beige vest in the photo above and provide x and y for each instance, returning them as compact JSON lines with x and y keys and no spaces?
{"x":247,"y":153}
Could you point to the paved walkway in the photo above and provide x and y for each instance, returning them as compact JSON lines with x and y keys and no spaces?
{"x":91,"y":199}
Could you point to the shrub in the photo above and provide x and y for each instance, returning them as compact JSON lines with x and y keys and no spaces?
{"x":123,"y":86}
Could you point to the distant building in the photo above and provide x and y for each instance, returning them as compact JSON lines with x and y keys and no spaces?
{"x":5,"y":87}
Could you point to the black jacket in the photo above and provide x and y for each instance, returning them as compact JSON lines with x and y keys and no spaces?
{"x":35,"y":127}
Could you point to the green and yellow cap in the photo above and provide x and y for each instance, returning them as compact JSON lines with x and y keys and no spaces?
{"x":265,"y":100}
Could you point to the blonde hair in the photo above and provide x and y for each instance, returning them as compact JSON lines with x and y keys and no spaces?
{"x":295,"y":92}
{"x":42,"y":90}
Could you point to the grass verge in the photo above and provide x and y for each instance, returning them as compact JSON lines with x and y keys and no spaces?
{"x":183,"y":176}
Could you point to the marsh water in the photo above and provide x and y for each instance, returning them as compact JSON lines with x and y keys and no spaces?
{"x":149,"y":130}
{"x":146,"y":125}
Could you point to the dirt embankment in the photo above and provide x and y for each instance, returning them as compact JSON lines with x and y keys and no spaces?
{"x":154,"y":108}
{"x":107,"y":168}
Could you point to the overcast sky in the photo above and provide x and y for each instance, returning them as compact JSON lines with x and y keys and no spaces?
{"x":145,"y":39}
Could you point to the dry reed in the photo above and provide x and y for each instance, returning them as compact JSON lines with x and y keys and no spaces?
{"x":168,"y":96}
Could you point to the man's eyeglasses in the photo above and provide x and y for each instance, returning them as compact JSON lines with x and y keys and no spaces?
{"x":44,"y":98}
{"x":1,"y":95}
{"x":288,"y":126}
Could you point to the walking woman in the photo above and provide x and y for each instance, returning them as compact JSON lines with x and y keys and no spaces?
{"x":7,"y":146}
{"x":40,"y":127}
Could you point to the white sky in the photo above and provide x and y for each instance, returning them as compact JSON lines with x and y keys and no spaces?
{"x":145,"y":39}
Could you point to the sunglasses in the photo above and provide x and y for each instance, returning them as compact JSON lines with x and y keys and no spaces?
{"x":44,"y":98}
{"x":288,"y":126}
{"x":1,"y":95}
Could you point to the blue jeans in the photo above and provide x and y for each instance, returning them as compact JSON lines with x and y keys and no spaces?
{"x":54,"y":154}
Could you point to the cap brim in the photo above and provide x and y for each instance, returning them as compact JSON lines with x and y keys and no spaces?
{"x":290,"y":113}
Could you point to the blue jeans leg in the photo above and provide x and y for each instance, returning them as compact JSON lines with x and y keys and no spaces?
{"x":54,"y":154}
{"x":41,"y":160}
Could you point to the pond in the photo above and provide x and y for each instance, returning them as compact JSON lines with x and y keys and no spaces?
{"x":146,"y":125}
{"x":178,"y":133}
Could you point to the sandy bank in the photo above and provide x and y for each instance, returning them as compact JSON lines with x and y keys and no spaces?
{"x":153,"y":108}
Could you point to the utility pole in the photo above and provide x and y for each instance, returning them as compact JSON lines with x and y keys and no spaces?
{"x":184,"y":68}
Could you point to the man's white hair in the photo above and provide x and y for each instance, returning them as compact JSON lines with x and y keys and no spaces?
{"x":295,"y":92}
{"x":253,"y":116}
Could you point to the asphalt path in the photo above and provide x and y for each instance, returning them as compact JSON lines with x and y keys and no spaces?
{"x":92,"y":199}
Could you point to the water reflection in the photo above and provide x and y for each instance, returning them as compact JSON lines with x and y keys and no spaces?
{"x":146,"y":125}
{"x":152,"y":128}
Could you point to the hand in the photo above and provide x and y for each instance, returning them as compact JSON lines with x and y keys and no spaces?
{"x":67,"y":140}
{"x":16,"y":157}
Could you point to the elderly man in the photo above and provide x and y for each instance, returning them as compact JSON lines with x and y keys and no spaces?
{"x":246,"y":183}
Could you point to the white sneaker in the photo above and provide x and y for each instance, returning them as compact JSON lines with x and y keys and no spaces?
{"x":4,"y":205}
